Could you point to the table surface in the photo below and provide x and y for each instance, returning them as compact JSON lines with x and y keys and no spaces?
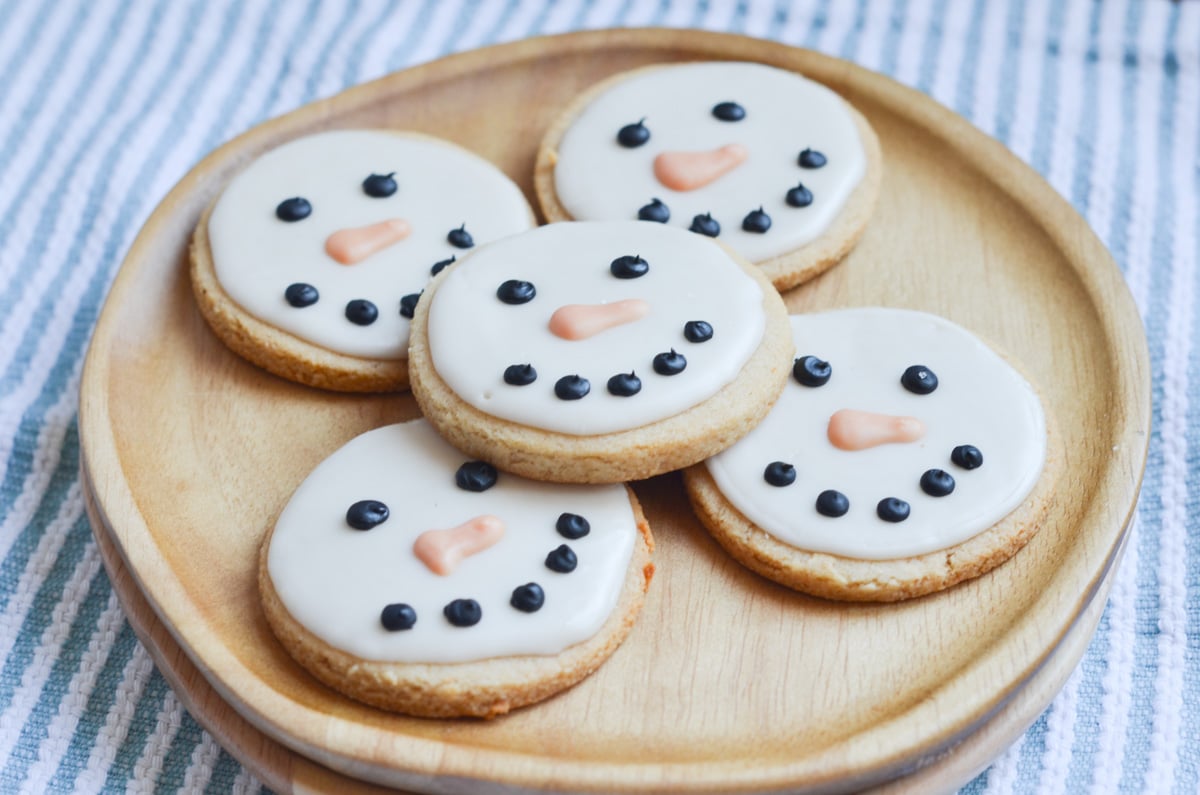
{"x":104,"y":105}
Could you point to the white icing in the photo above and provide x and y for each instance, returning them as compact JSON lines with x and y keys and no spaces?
{"x":336,"y":580}
{"x":598,"y":179}
{"x":441,"y":186}
{"x":473,"y":336}
{"x":980,"y":400}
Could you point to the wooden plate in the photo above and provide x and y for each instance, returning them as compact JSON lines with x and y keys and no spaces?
{"x":728,"y":683}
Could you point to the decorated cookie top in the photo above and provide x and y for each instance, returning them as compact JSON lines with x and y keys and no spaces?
{"x":900,"y":433}
{"x":332,"y":237}
{"x":398,"y":549}
{"x":590,"y":328}
{"x":761,"y":157}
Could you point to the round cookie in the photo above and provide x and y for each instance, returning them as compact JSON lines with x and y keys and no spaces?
{"x":310,"y":261}
{"x":412,"y":579}
{"x":904,"y":456}
{"x":598,"y":352}
{"x":781,"y":168}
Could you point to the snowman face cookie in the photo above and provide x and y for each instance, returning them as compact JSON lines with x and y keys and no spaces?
{"x":332,"y":237}
{"x":397,"y":548}
{"x":761,"y":157}
{"x":899,"y":434}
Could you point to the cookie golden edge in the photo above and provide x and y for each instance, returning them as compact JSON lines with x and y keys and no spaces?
{"x":653,"y":449}
{"x":785,"y":271}
{"x":855,"y":580}
{"x":480,"y":689}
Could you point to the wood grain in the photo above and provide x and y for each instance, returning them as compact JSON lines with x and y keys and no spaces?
{"x":728,"y":683}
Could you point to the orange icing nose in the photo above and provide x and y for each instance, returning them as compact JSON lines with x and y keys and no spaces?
{"x":858,"y":430}
{"x":443,"y":550}
{"x":350,"y":246}
{"x":691,"y":170}
{"x":580,"y":321}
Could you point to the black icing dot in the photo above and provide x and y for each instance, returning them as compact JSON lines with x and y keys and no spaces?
{"x":301,"y":295}
{"x":361,"y":312}
{"x":630,"y":266}
{"x":729,"y":111}
{"x":811,"y":158}
{"x":811,"y":371}
{"x":697,"y":331}
{"x":780,"y":473}
{"x":572,"y":387}
{"x":562,"y":559}
{"x":967,"y":456}
{"x":408,"y":304}
{"x":756,"y":221}
{"x":463,"y":612}
{"x":515,"y":291}
{"x":296,"y":208}
{"x":528,"y":598}
{"x":624,"y":384}
{"x":572,"y":526}
{"x":440,"y":266}
{"x":891,"y":509}
{"x":633,"y":135}
{"x":396,"y":617}
{"x":669,"y":363}
{"x":520,"y":374}
{"x":365,"y":514}
{"x":460,"y":238}
{"x":919,"y":380}
{"x":380,"y":186}
{"x":937,"y":482}
{"x":655,"y":211}
{"x":475,"y":476}
{"x":799,"y":196}
{"x":832,"y":503}
{"x":705,"y":225}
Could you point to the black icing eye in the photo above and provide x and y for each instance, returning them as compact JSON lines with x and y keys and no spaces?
{"x":629,"y":267}
{"x":365,"y":514}
{"x":361,"y":312}
{"x":811,"y":371}
{"x":937,"y":482}
{"x":780,"y":473}
{"x":811,"y":158}
{"x":528,"y":598}
{"x":301,"y":295}
{"x":380,"y":186}
{"x":697,"y":331}
{"x":631,"y":136}
{"x":967,"y":456}
{"x":562,"y":560}
{"x":729,"y":111}
{"x":891,"y":509}
{"x":832,"y":503}
{"x":520,"y":374}
{"x":572,"y":526}
{"x":669,"y":363}
{"x":756,"y":221}
{"x":296,"y":208}
{"x":475,"y":476}
{"x":655,"y":211}
{"x":408,"y":304}
{"x":463,"y":612}
{"x":624,"y":384}
{"x":571,"y":387}
{"x":515,"y":291}
{"x":397,"y":617}
{"x":460,"y":238}
{"x":799,"y":196}
{"x":919,"y":380}
{"x":440,"y":266}
{"x":705,"y":225}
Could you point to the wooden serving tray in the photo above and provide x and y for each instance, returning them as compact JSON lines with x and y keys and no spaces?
{"x":728,"y":683}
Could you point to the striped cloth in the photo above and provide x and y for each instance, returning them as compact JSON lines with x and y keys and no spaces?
{"x":105,"y":104}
